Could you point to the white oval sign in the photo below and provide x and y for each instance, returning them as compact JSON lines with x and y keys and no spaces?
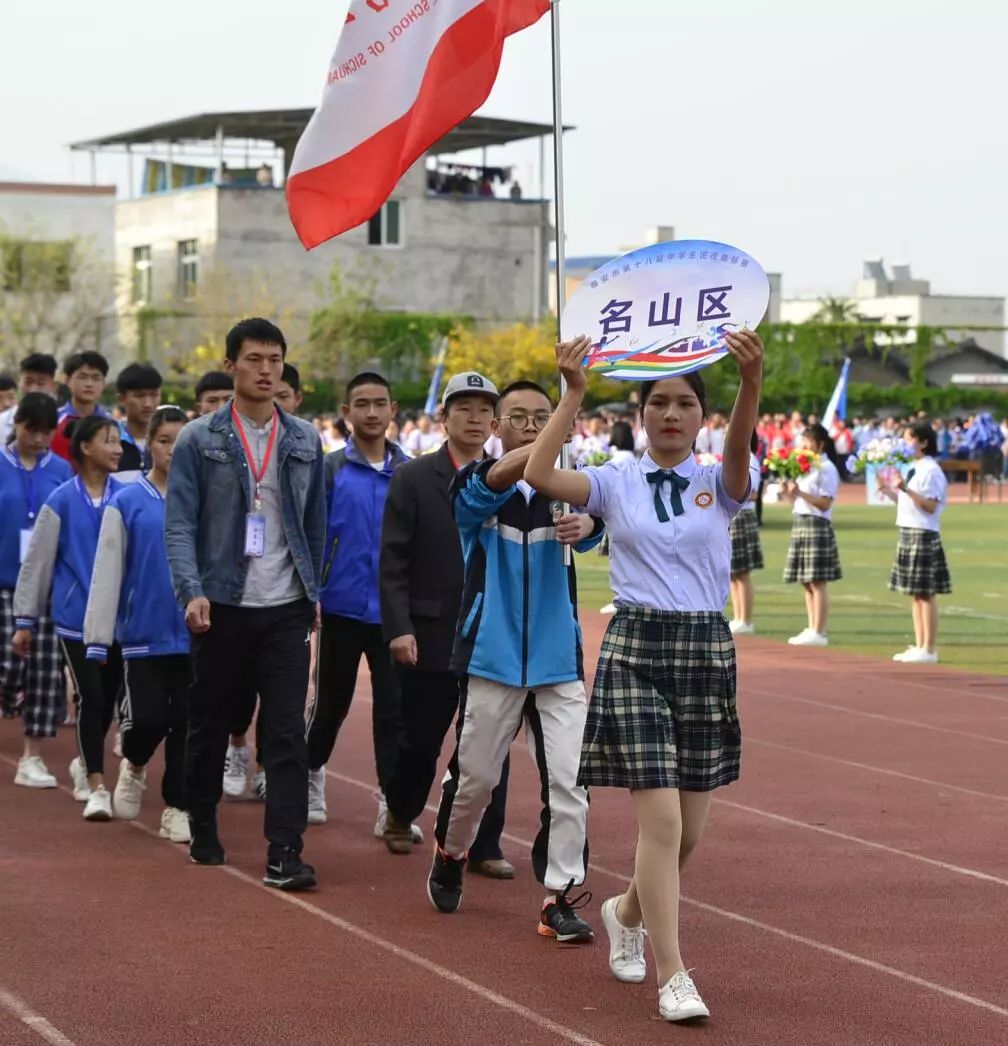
{"x":663,"y":310}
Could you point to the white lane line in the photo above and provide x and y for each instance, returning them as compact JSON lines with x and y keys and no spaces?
{"x":877,"y":715}
{"x":827,"y":949}
{"x":15,"y":1005}
{"x":749,"y":739}
{"x":944,"y":865}
{"x":955,"y":688}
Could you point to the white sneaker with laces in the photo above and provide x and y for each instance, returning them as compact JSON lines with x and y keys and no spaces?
{"x":741,"y":628}
{"x":808,"y":638}
{"x":259,"y":786}
{"x":78,"y":776}
{"x":920,"y":657}
{"x":99,"y":805}
{"x":236,"y":765}
{"x":317,"y":811}
{"x":175,"y":825}
{"x":129,"y":791}
{"x":33,"y":773}
{"x":379,"y":829}
{"x":679,"y":1000}
{"x":626,"y":946}
{"x":903,"y":655}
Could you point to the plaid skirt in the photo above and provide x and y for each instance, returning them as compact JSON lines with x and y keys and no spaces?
{"x":39,"y":676}
{"x":746,"y":550}
{"x":812,"y":554}
{"x":662,"y":712}
{"x":920,"y":568}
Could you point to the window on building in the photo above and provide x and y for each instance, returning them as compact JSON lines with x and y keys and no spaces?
{"x":188,"y":268}
{"x":141,"y":275}
{"x":385,"y":228}
{"x":36,"y":265}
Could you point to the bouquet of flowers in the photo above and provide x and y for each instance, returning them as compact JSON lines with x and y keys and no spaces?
{"x":884,"y":453}
{"x":791,"y":464}
{"x":708,"y":459}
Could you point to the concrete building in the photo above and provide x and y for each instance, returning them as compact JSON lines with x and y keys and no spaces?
{"x":902,"y":300}
{"x":58,"y":246}
{"x":211,"y":219}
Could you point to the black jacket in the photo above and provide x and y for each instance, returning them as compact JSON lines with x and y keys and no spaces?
{"x":420,"y":568}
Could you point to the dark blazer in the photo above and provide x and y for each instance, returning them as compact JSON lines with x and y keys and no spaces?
{"x":420,"y":571}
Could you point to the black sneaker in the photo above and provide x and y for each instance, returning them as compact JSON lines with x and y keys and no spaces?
{"x":444,"y":884}
{"x":561,"y":921}
{"x":286,"y":871}
{"x":205,"y":847}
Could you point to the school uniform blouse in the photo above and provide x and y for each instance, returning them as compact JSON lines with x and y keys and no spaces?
{"x":823,"y":481}
{"x":680,"y":564}
{"x":928,"y":480}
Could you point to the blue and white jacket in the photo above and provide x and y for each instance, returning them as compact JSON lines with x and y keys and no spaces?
{"x":132,"y":599}
{"x":355,"y":496}
{"x":60,"y":558}
{"x":518,"y":623}
{"x":23,"y":492}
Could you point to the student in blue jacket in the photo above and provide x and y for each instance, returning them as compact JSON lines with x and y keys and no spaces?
{"x":519,"y":647}
{"x":132,"y":600}
{"x":57,"y":566}
{"x":357,"y":481}
{"x":29,"y":473}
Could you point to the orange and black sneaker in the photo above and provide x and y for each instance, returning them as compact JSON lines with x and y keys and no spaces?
{"x":444,"y":884}
{"x":561,"y":921}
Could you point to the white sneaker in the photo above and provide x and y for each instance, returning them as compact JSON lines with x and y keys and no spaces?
{"x":175,"y":825}
{"x":626,"y":946}
{"x":741,"y":628}
{"x":99,"y":805}
{"x":905,"y":654}
{"x":33,"y":773}
{"x":236,"y":764}
{"x":317,"y":812}
{"x":609,"y":608}
{"x":129,"y":791}
{"x":917,"y":656}
{"x":679,"y":1000}
{"x":78,"y":776}
{"x":259,"y":786}
{"x":379,"y":829}
{"x":808,"y":638}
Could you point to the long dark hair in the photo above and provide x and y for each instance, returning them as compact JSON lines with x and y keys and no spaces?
{"x":923,"y":431}
{"x":84,"y":430}
{"x":169,"y":414}
{"x":820,"y":436}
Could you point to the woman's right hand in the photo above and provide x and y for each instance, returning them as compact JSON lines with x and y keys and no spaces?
{"x":570,"y":360}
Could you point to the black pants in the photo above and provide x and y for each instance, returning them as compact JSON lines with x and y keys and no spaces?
{"x":430,"y":701}
{"x":98,"y":689}
{"x":266,"y":648}
{"x":341,"y":645}
{"x":242,"y":719}
{"x":154,"y":710}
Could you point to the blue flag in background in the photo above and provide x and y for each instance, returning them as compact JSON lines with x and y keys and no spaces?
{"x":837,"y":406}
{"x":435,"y":383}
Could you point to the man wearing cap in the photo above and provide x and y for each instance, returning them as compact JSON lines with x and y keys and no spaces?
{"x":420,"y":583}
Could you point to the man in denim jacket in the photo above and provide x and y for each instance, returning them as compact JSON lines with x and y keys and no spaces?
{"x":245,"y":523}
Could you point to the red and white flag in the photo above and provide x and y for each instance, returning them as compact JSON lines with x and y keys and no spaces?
{"x":403,"y":75}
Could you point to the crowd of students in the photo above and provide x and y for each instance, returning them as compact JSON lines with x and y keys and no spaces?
{"x":190,"y":573}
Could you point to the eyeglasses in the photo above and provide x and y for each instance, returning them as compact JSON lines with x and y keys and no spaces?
{"x":520,"y":421}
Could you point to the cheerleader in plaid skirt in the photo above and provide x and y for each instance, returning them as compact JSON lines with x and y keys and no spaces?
{"x":920,"y":570}
{"x":812,"y":556}
{"x":746,"y":551}
{"x":662,"y":720}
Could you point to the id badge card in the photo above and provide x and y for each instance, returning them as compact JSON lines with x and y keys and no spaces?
{"x":25,"y":538}
{"x":255,"y":535}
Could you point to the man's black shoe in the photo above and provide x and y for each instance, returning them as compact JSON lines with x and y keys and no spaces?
{"x":205,"y":847}
{"x":444,"y":884}
{"x":561,"y":921}
{"x":286,"y":871}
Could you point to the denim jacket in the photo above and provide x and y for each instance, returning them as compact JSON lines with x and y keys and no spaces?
{"x":210,"y":494}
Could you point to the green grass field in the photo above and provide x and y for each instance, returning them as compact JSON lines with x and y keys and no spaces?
{"x":865,"y":616}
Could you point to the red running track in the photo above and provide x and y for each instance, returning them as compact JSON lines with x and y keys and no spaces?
{"x":851,"y":890}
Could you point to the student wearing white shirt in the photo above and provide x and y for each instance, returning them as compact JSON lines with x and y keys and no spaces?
{"x":920,"y":569}
{"x":746,"y":552}
{"x":812,"y":556}
{"x":662,"y":720}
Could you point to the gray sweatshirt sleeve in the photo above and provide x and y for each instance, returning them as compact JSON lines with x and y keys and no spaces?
{"x":106,"y":585}
{"x":34,"y":583}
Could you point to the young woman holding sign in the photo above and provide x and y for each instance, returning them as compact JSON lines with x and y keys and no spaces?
{"x":662,"y":719}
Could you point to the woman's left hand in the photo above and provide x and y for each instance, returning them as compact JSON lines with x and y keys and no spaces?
{"x":747,"y":348}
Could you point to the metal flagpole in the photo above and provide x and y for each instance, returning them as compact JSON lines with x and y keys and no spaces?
{"x":558,"y":213}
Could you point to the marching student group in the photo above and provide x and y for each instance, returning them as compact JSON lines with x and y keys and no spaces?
{"x":194,"y":576}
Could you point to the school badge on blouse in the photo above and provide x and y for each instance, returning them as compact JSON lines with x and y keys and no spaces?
{"x":663,"y":311}
{"x":704,"y":499}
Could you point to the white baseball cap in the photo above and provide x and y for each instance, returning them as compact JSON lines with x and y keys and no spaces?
{"x":469,"y":383}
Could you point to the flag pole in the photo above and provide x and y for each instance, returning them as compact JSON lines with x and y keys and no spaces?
{"x":558,"y":212}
